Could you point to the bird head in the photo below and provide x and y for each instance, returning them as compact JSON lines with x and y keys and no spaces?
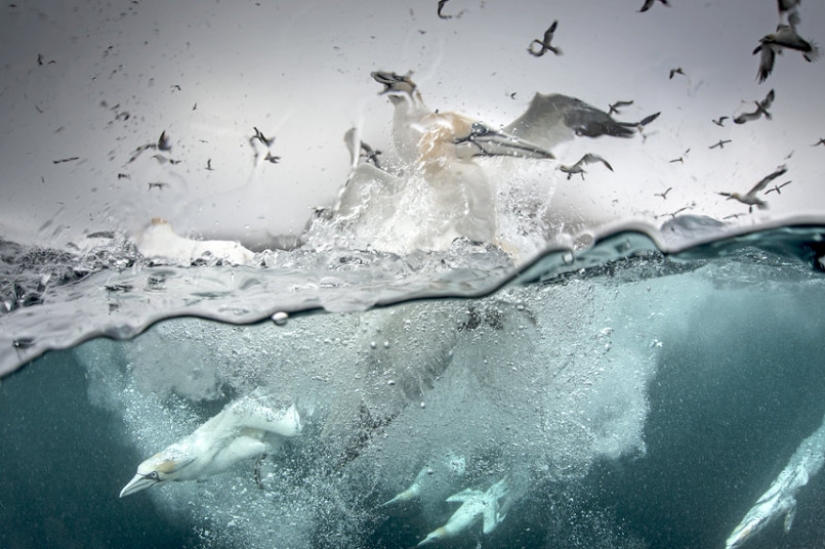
{"x":161,"y":467}
{"x":398,"y":83}
{"x":435,"y":535}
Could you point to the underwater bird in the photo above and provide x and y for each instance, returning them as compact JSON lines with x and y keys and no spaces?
{"x":820,"y":142}
{"x":663,"y":194}
{"x":750,"y":197}
{"x":649,"y":4}
{"x":720,"y":144}
{"x":545,"y":43}
{"x":474,"y":505}
{"x":761,"y":109}
{"x":780,"y":497}
{"x":720,"y":121}
{"x":772,"y":45}
{"x":578,"y":167}
{"x":614,"y":108}
{"x":414,"y":489}
{"x":676,"y":71}
{"x":245,"y":428}
{"x":776,"y":188}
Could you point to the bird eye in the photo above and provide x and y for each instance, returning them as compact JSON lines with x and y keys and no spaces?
{"x":153,"y":475}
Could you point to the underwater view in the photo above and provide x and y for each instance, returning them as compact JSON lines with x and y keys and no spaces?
{"x":393,"y":274}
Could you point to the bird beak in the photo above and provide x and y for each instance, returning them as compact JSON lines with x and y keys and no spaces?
{"x":138,"y":483}
{"x":394,"y":82}
{"x":484,"y":141}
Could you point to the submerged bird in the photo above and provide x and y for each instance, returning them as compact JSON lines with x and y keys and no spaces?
{"x":649,"y":4}
{"x":720,"y":144}
{"x":614,"y":108}
{"x":750,"y":197}
{"x":578,"y":167}
{"x":761,"y":109}
{"x":474,"y":505}
{"x":780,"y":498}
{"x":772,"y":45}
{"x":720,"y":121}
{"x":545,"y":43}
{"x":245,"y":428}
{"x":414,"y":490}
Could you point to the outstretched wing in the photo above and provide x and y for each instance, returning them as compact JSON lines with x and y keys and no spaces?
{"x":767,"y":179}
{"x":554,"y":118}
{"x":464,"y":495}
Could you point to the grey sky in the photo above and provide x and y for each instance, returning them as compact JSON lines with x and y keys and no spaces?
{"x":299,"y":71}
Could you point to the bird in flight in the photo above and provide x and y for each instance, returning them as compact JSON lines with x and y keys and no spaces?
{"x":649,"y":4}
{"x":545,"y":44}
{"x":720,"y":121}
{"x":720,"y":144}
{"x":578,"y":167}
{"x":750,"y":198}
{"x":761,"y":109}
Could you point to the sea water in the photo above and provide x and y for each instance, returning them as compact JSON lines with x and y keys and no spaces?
{"x":641,"y":391}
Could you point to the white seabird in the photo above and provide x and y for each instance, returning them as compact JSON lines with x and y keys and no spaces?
{"x":761,"y":109}
{"x":474,"y":505}
{"x":245,"y":428}
{"x":160,"y":240}
{"x":545,"y":44}
{"x":750,"y":197}
{"x":772,"y":44}
{"x":578,"y":167}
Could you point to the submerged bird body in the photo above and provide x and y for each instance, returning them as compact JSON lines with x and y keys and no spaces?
{"x":474,"y":505}
{"x":243,"y":429}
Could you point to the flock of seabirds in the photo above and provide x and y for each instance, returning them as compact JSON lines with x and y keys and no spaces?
{"x":442,"y":146}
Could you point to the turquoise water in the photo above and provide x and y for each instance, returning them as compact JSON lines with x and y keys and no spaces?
{"x":632,"y":398}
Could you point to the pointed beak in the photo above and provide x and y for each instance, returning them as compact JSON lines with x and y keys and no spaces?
{"x":394,"y":82}
{"x":138,"y":483}
{"x":484,"y":141}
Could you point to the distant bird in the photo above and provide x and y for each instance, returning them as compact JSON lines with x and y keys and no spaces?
{"x":820,"y":142}
{"x":761,"y":109}
{"x":545,"y":44}
{"x":776,"y":188}
{"x":441,"y":7}
{"x":209,"y":164}
{"x":261,"y":139}
{"x":578,"y":167}
{"x":663,"y":194}
{"x":649,"y":3}
{"x":677,"y":212}
{"x":175,"y":86}
{"x":720,"y":121}
{"x":772,"y":44}
{"x":370,"y":154}
{"x":750,"y":198}
{"x":614,"y":108}
{"x":676,"y":71}
{"x":164,"y":142}
{"x":732,"y":216}
{"x":680,"y":159}
{"x":40,"y":59}
{"x":720,"y":144}
{"x":160,"y":185}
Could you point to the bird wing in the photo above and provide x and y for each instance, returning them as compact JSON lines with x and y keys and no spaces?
{"x":768,"y":101}
{"x":464,"y":495}
{"x":590,"y":158}
{"x":490,"y":520}
{"x":554,"y":118}
{"x":646,"y":5}
{"x":766,"y":61}
{"x":250,"y":412}
{"x":548,"y":34}
{"x":767,"y":179}
{"x":747,"y":117}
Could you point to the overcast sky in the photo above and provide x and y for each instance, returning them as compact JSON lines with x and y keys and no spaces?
{"x":299,"y":71}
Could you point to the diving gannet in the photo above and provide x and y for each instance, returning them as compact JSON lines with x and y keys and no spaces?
{"x":474,"y":505}
{"x":750,"y":197}
{"x":780,"y":498}
{"x":720,"y":121}
{"x":649,"y":4}
{"x":772,"y":44}
{"x":245,"y":428}
{"x":578,"y":167}
{"x":720,"y":144}
{"x":545,"y":43}
{"x":761,"y":109}
{"x":414,"y":489}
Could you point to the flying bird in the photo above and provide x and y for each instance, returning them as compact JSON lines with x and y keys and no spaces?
{"x":750,"y":198}
{"x":441,"y":7}
{"x":663,"y":194}
{"x":820,"y":142}
{"x":578,"y":167}
{"x":545,"y":44}
{"x":789,"y":8}
{"x":649,"y":4}
{"x":761,"y":109}
{"x":776,"y":188}
{"x":720,"y":121}
{"x":209,"y":164}
{"x":720,"y":144}
{"x":676,"y":71}
{"x":614,"y":108}
{"x":772,"y":45}
{"x":260,"y":139}
{"x":680,"y":159}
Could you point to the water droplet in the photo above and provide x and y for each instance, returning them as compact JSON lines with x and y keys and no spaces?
{"x":386,"y":344}
{"x":280,"y":318}
{"x":567,"y":258}
{"x":391,"y":382}
{"x":423,"y":405}
{"x":373,"y":345}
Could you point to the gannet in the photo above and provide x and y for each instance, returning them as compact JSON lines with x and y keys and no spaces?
{"x":720,"y":144}
{"x":245,"y":428}
{"x":614,"y":107}
{"x":663,"y":194}
{"x":772,"y":44}
{"x":578,"y":167}
{"x":720,"y":121}
{"x":545,"y":43}
{"x":761,"y":109}
{"x":414,"y":489}
{"x":750,"y":197}
{"x":649,"y":4}
{"x":780,"y":498}
{"x":263,"y":148}
{"x":777,"y":188}
{"x":676,"y":71}
{"x":474,"y":505}
{"x":681,"y":159}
